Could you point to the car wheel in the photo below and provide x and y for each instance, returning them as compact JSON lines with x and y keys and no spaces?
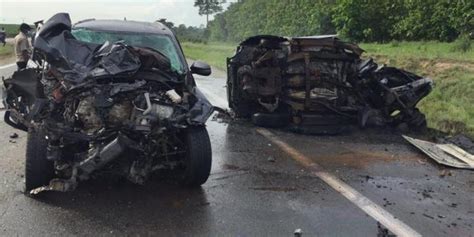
{"x":38,"y":169}
{"x":198,"y":158}
{"x":238,"y":101}
{"x":417,"y":120}
{"x":271,"y":120}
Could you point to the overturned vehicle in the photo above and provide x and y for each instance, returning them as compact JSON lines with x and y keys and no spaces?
{"x":129,"y":108}
{"x":319,"y":84}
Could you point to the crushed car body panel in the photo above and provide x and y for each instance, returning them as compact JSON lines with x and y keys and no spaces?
{"x":445,"y":154}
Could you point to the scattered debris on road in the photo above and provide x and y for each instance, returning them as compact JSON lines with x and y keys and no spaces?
{"x":426,"y":215}
{"x":298,"y":233}
{"x":459,"y":140}
{"x":446,"y":154}
{"x":445,"y":173}
{"x":14,"y":135}
{"x":222,"y":115}
{"x":383,"y":231}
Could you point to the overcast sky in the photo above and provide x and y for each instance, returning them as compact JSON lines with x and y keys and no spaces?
{"x":29,"y":11}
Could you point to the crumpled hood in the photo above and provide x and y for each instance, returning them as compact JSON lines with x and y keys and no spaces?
{"x":77,"y":60}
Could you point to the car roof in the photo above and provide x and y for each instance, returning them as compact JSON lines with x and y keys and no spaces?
{"x":124,"y":26}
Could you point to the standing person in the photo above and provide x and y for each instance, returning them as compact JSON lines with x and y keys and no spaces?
{"x":22,"y":46}
{"x":3,"y":36}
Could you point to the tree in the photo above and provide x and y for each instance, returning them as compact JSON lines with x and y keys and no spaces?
{"x":355,"y":20}
{"x":367,"y":20}
{"x":209,"y":7}
{"x":442,"y":20}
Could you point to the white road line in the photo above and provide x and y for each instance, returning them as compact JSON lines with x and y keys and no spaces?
{"x":393,"y":224}
{"x":7,"y":66}
{"x":30,"y":64}
{"x":372,"y":209}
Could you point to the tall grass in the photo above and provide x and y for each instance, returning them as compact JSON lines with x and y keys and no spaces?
{"x":213,"y":53}
{"x":450,"y":106}
{"x":6,"y":51}
{"x":419,"y":50}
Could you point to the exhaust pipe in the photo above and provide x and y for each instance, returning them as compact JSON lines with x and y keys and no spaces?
{"x":102,"y":156}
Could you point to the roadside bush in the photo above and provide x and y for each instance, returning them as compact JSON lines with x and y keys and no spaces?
{"x":395,"y":43}
{"x":463,"y":44}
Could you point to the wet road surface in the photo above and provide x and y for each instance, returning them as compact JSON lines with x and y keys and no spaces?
{"x":256,"y":188}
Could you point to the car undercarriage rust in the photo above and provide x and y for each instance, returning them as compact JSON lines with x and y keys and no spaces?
{"x":319,"y":84}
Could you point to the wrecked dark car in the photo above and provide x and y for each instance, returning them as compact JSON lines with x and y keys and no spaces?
{"x":319,"y":84}
{"x":111,"y":96}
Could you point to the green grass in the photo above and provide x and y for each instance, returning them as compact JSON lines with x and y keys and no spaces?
{"x":213,"y":53}
{"x":449,"y":107}
{"x":12,"y":29}
{"x":6,"y":51}
{"x":419,"y":50}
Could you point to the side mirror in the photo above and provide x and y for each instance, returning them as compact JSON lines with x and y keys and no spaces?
{"x":201,"y":68}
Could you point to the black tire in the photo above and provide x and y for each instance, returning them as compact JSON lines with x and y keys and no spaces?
{"x":271,"y":120}
{"x":198,"y":158}
{"x":415,"y":120}
{"x":238,"y":101}
{"x":38,"y":169}
{"x":418,"y":120}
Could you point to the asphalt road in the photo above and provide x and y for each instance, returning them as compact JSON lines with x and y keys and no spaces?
{"x":263,"y":183}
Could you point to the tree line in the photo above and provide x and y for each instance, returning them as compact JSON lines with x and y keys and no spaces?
{"x":355,"y":20}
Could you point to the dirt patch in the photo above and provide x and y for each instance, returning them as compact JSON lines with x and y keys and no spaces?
{"x":6,"y":59}
{"x":437,"y":67}
{"x":7,"y":53}
{"x":362,"y":159}
{"x":430,"y":67}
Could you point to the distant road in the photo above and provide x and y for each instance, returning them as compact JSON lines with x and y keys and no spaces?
{"x":6,"y":71}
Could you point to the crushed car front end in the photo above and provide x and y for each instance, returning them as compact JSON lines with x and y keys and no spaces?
{"x":109,"y":107}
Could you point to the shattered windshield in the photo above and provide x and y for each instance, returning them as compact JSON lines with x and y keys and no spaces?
{"x":161,"y":43}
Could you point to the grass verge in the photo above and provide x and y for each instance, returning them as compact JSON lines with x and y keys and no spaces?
{"x":213,"y":53}
{"x":420,"y":50}
{"x":6,"y":51}
{"x":12,"y":29}
{"x":449,"y":107}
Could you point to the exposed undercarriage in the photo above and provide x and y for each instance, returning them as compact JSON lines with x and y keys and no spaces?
{"x":319,"y":84}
